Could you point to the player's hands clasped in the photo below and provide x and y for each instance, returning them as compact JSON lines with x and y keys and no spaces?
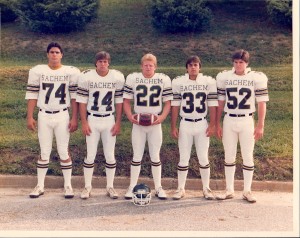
{"x":133,"y":120}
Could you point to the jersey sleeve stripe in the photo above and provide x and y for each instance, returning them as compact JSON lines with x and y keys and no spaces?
{"x":261,"y":92}
{"x":82,"y":92}
{"x":128,"y":90}
{"x":212,"y":96}
{"x":33,"y":88}
{"x":221,"y":91}
{"x":167,"y":92}
{"x":177,"y":96}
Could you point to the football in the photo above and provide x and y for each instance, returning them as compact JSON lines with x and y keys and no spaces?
{"x":145,"y":119}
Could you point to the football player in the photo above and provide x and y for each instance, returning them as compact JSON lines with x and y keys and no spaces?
{"x":151,"y":92}
{"x":52,"y":88}
{"x":100,"y":95}
{"x":195,"y":95}
{"x":238,"y":89}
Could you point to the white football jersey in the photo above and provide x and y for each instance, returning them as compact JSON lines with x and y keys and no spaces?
{"x":148,"y":93}
{"x":52,"y":88}
{"x":194,"y":96}
{"x":241,"y":91}
{"x":100,"y":93}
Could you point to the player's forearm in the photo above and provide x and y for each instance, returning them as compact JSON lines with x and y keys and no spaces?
{"x":31,"y":104}
{"x":174,"y":116}
{"x":261,"y":110}
{"x":74,"y":106}
{"x":212,"y":116}
{"x":127,"y":108}
{"x":219,"y":112}
{"x":119,"y":107}
{"x":83,"y":112}
{"x":166,"y":109}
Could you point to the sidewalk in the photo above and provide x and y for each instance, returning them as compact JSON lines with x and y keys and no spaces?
{"x":29,"y":181}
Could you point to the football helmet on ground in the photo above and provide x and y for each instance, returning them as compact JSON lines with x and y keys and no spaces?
{"x":141,"y":195}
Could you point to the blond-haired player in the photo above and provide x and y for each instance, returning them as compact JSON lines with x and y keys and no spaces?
{"x":151,"y":92}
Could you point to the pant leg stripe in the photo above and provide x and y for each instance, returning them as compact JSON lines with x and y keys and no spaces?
{"x":133,"y":163}
{"x":249,"y":168}
{"x":205,"y":166}
{"x":110,"y":166}
{"x":182,"y":168}
{"x":88,"y":166}
{"x":42,"y":166}
{"x":229,"y":164}
{"x":66,"y":166}
{"x":155,"y":163}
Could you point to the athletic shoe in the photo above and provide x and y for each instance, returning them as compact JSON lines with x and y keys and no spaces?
{"x":208,"y":194}
{"x":111,"y":193}
{"x":179,"y":194}
{"x":69,"y":192}
{"x":129,"y":193}
{"x":249,"y":197}
{"x":226,"y":195}
{"x":160,"y":193}
{"x":37,"y":191}
{"x":86,"y":193}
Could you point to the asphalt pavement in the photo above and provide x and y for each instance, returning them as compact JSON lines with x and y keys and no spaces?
{"x":275,"y":214}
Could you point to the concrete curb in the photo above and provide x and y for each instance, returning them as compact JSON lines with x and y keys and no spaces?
{"x":29,"y":181}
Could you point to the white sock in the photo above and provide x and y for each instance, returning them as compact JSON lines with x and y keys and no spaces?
{"x":67,"y":173}
{"x":205,"y":176}
{"x":156,"y":174}
{"x":135,"y":169}
{"x":88,"y":170}
{"x":110,"y":170}
{"x":248,"y":177}
{"x":42,"y":168}
{"x":229,"y":177}
{"x":181,"y":178}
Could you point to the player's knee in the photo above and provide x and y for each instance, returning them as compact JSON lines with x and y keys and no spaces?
{"x":89,"y":160}
{"x":110,"y":160}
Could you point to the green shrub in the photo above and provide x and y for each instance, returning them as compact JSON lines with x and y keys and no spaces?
{"x":54,"y":16}
{"x":7,"y":12}
{"x":180,"y":15}
{"x":280,"y":11}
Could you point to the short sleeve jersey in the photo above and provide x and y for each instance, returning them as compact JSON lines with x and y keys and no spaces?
{"x":194,"y":96}
{"x":241,"y":91}
{"x":148,"y":93}
{"x":100,"y":93}
{"x":53,"y":89}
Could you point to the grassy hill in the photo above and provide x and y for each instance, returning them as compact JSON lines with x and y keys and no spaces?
{"x":124,"y":29}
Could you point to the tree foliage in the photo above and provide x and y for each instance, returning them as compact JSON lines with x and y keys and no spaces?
{"x":280,"y":11}
{"x":180,"y":15}
{"x":7,"y":11}
{"x":54,"y":16}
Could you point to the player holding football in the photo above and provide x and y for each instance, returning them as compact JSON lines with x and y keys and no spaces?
{"x":194,"y":96}
{"x":100,"y":95}
{"x":52,"y":87}
{"x":149,"y":91}
{"x":237,"y":91}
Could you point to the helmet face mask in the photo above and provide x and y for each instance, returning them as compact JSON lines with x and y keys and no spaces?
{"x":141,"y":195}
